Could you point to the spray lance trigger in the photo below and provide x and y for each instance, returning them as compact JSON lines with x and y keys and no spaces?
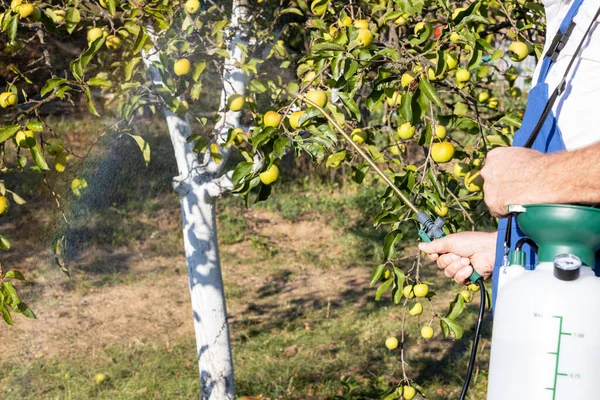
{"x":431,"y":230}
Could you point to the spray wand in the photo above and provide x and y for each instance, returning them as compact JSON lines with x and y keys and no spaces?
{"x":430,"y":230}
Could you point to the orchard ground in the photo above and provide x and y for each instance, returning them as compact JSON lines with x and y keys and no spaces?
{"x":304,"y":321}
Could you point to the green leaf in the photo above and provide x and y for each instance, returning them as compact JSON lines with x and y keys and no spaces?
{"x":383,"y":288}
{"x":130,"y":67}
{"x":8,"y":132}
{"x":350,"y":104}
{"x":140,"y":41}
{"x":14,"y":274}
{"x":58,"y":249}
{"x":110,"y":6}
{"x":452,"y":326}
{"x":406,"y":107}
{"x":510,"y":120}
{"x":376,"y":275}
{"x":430,"y":92}
{"x":35,"y":125}
{"x":292,"y":10}
{"x":144,"y":147}
{"x":4,"y":243}
{"x":12,"y":28}
{"x":241,"y":171}
{"x":399,"y":278}
{"x":73,"y":18}
{"x":456,"y":307}
{"x":334,"y":160}
{"x":24,"y":309}
{"x":196,"y":90}
{"x":38,"y":157}
{"x":95,"y":81}
{"x":89,"y":102}
{"x":389,"y":246}
{"x":199,"y":68}
{"x":50,"y":85}
{"x":10,"y":294}
{"x":279,"y":146}
{"x":327,"y":47}
{"x":375,"y":153}
{"x":78,"y":185}
{"x":16,"y":198}
{"x":6,"y":316}
{"x":76,"y":67}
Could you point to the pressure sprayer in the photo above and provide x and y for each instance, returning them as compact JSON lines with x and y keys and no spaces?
{"x":429,"y":230}
{"x":545,"y":343}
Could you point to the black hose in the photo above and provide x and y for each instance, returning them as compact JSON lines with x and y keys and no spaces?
{"x":530,"y":242}
{"x":463,"y":394}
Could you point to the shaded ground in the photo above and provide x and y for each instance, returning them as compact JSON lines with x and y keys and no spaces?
{"x":304,"y":322}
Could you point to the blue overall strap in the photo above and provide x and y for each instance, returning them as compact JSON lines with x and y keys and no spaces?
{"x":549,"y":139}
{"x":560,"y":40}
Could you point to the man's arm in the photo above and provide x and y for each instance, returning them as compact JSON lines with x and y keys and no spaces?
{"x":515,"y":175}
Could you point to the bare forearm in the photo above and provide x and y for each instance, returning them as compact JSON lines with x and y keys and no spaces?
{"x":568,"y":177}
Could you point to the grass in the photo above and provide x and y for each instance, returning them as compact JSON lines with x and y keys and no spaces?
{"x":288,"y":343}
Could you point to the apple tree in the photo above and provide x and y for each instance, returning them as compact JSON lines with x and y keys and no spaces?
{"x":422,"y":88}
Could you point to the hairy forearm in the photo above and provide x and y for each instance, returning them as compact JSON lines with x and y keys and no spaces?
{"x":568,"y":177}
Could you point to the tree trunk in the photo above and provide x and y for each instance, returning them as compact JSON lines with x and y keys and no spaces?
{"x":199,"y":183}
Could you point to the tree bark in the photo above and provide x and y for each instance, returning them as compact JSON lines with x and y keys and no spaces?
{"x":199,"y":183}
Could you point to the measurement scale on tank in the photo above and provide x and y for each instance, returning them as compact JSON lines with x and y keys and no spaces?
{"x":557,"y":351}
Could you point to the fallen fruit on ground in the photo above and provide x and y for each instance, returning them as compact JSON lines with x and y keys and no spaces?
{"x":270,"y":175}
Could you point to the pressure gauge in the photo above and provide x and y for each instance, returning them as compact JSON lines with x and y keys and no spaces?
{"x":566,"y":267}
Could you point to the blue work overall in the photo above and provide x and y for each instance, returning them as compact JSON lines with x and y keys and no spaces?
{"x":548,"y":140}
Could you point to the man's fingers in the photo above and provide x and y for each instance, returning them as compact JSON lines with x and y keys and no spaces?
{"x":455,"y":266}
{"x":462,"y":276}
{"x":445,"y":260}
{"x":442,"y":245}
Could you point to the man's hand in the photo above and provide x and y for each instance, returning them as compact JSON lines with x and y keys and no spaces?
{"x":459,"y":253}
{"x":510,"y":175}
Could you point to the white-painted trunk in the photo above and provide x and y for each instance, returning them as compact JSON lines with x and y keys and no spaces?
{"x":199,"y":183}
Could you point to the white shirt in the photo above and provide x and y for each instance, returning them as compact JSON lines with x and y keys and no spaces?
{"x":578,"y":108}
